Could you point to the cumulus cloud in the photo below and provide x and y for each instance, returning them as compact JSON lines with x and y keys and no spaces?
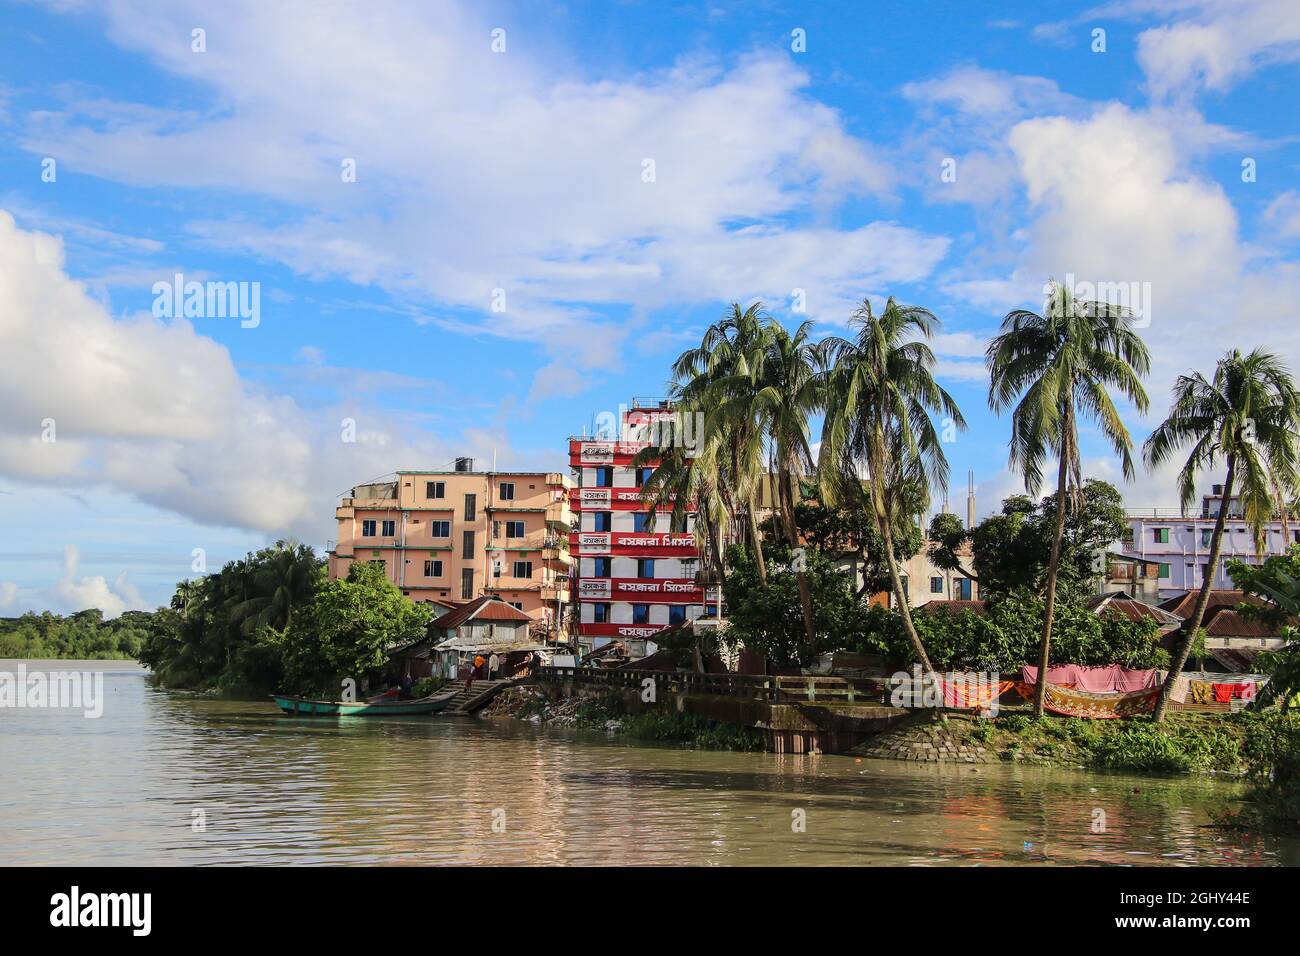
{"x":158,"y":410}
{"x":73,"y":593}
{"x":557,"y":188}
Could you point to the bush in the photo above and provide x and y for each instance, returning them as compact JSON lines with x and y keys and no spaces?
{"x":1272,"y":752}
{"x":426,"y":686}
{"x":681,"y":727}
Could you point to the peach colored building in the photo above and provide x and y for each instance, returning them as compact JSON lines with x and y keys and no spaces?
{"x":455,"y":535}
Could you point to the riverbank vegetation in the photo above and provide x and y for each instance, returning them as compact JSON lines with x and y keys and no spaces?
{"x":84,"y":635}
{"x":273,"y":621}
{"x":608,"y":713}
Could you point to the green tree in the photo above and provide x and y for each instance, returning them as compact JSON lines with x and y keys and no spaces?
{"x":768,"y":617}
{"x":1055,"y":368}
{"x":347,"y":629}
{"x":881,"y":392}
{"x":1248,"y":415}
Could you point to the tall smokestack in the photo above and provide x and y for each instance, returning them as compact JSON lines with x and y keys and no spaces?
{"x":970,"y":499}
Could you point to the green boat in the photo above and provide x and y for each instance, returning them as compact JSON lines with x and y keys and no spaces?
{"x":301,"y":706}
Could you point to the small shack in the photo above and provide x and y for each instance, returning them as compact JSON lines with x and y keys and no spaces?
{"x":483,"y":627}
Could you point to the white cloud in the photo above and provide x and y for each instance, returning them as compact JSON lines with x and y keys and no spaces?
{"x":1221,"y":43}
{"x":157,"y":410}
{"x":73,"y":593}
{"x":8,"y":592}
{"x":1283,"y":214}
{"x":526,"y":178}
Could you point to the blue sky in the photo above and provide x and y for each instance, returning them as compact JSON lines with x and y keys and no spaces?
{"x":523,"y":170}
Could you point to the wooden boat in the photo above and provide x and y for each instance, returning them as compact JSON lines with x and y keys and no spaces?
{"x":383,"y":706}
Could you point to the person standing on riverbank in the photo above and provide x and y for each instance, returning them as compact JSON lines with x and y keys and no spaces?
{"x":494,"y":666}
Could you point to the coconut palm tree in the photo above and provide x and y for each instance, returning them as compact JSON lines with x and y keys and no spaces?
{"x":717,"y":380}
{"x":1060,"y":366}
{"x":791,"y":386}
{"x":285,"y":578}
{"x":880,"y":393}
{"x":1248,"y":415}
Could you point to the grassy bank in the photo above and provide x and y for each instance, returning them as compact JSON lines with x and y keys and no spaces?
{"x":609,"y":714}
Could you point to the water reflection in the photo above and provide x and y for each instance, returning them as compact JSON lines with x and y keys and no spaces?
{"x":126,"y":788}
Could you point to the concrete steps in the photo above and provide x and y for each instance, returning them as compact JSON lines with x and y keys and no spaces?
{"x":480,"y":693}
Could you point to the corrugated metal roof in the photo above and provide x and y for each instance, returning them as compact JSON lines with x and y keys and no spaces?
{"x":485,"y":608}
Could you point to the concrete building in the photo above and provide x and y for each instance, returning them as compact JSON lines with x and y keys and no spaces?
{"x":631,"y":581}
{"x":1178,"y":544}
{"x":457,"y":535}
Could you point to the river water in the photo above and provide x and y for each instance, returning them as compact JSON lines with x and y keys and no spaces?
{"x":171,"y":778}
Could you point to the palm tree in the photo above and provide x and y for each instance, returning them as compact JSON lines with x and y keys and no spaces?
{"x":786,"y":387}
{"x":1060,"y":366}
{"x":880,"y":392}
{"x":1248,"y":415}
{"x":717,"y":380}
{"x":284,"y":578}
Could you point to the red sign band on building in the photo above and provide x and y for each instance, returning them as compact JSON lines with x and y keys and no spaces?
{"x":613,"y":499}
{"x":641,"y":590}
{"x":645,"y":544}
{"x":622,"y":630}
{"x":593,"y":454}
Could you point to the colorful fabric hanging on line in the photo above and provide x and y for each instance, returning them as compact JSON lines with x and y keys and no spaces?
{"x":1080,"y":703}
{"x":961,"y":695}
{"x":1095,"y":680}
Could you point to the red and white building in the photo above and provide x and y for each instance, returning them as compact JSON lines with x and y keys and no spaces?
{"x":630,"y":581}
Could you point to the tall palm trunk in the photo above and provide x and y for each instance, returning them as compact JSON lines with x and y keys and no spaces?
{"x":757,"y":539}
{"x":792,"y":532}
{"x":885,"y":528}
{"x":1054,"y":565}
{"x":1193,"y":623}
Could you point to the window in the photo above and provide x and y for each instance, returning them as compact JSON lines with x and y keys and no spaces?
{"x":676,"y":613}
{"x":1206,"y":535}
{"x":600,"y":567}
{"x":936,"y":585}
{"x":467,"y":583}
{"x":688,"y":567}
{"x":1128,"y":535}
{"x":604,"y":477}
{"x":514,"y":529}
{"x":517,"y":605}
{"x":382,"y":564}
{"x":368,"y":528}
{"x":389,"y":529}
{"x":604,"y":520}
{"x":1161,"y":535}
{"x":506,"y":490}
{"x":1164,"y":570}
{"x":433,"y":569}
{"x":640,"y":521}
{"x":440,"y":529}
{"x":471,"y":507}
{"x":600,"y":613}
{"x":1205,"y":570}
{"x":435,"y":489}
{"x":645,"y":567}
{"x":640,"y":613}
{"x":467,"y":544}
{"x":496,"y":569}
{"x":523,"y":569}
{"x":643,"y":475}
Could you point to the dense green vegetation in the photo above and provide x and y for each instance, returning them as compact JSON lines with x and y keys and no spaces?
{"x":1191,"y":743}
{"x":84,"y":635}
{"x":272,"y":621}
{"x":1011,"y":555}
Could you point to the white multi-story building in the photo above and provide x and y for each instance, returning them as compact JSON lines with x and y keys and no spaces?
{"x":632,"y":580}
{"x":1179,"y":543}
